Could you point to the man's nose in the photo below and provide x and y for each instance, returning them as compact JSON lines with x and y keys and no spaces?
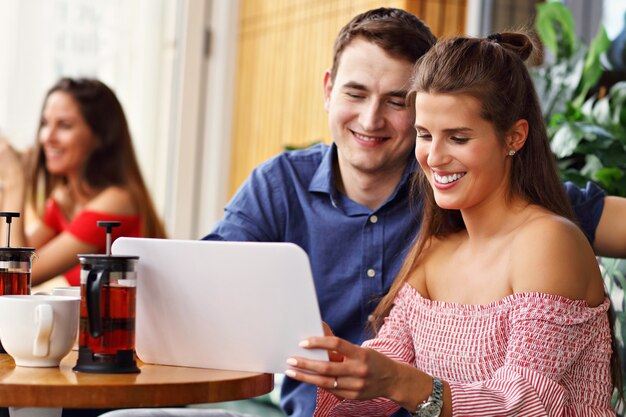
{"x":372,"y":117}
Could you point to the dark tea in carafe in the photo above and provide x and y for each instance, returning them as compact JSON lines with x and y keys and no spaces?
{"x":118,"y":325}
{"x":15,"y":265}
{"x":14,"y":283}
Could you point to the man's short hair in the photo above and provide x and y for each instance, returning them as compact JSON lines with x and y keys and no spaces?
{"x":398,"y":32}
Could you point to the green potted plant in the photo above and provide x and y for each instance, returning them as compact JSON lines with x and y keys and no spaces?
{"x":586,"y":124}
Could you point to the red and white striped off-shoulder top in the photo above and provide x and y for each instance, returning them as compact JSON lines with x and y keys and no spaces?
{"x":529,"y":354}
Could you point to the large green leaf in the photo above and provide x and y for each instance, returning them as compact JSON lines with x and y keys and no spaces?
{"x":617,"y":96}
{"x":587,"y":108}
{"x":568,"y":136}
{"x":618,"y":91}
{"x":593,"y":68}
{"x":566,"y":139}
{"x":608,"y":175}
{"x":592,"y":132}
{"x":556,"y":84}
{"x":592,"y":164}
{"x":602,"y":111}
{"x":555,"y":25}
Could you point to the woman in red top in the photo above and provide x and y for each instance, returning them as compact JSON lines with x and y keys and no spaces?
{"x":83,"y":169}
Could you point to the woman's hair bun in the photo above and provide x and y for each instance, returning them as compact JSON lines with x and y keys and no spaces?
{"x":518,"y":43}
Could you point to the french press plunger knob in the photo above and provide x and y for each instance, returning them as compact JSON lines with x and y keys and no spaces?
{"x":8,"y":215}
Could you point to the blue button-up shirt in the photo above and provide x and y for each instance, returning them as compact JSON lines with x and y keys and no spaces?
{"x":355,"y":252}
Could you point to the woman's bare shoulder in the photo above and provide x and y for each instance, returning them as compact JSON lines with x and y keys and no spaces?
{"x":550,"y":254}
{"x":116,"y":200}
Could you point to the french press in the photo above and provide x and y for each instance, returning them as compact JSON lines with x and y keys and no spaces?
{"x":108,"y":285}
{"x":15,"y":265}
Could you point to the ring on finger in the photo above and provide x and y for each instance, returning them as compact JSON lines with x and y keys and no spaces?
{"x":335,"y":384}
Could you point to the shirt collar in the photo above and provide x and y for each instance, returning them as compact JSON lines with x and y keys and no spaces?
{"x":323,"y":180}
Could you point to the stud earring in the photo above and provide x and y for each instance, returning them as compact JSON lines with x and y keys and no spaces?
{"x":511,"y":152}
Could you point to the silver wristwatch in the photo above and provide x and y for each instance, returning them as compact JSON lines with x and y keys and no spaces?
{"x":433,"y":404}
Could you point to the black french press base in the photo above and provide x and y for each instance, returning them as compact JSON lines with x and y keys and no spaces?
{"x":123,"y":362}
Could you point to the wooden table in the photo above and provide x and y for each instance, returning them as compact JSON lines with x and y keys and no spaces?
{"x":156,"y":385}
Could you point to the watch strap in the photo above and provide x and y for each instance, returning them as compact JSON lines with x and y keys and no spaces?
{"x":437,"y":395}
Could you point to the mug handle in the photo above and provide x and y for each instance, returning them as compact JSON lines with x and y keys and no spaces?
{"x":44,"y":316}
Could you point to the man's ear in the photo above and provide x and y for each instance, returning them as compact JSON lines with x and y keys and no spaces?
{"x":328,"y":88}
{"x":517,"y":135}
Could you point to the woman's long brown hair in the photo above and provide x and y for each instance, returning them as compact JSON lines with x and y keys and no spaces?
{"x":112,"y":161}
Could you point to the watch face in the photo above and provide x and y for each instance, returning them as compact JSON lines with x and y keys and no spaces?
{"x":430,"y":409}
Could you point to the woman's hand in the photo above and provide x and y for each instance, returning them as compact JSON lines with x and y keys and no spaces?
{"x":353,"y":372}
{"x":12,"y":167}
{"x":332,"y":355}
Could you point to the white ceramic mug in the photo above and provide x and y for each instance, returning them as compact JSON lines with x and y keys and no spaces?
{"x":70,"y":292}
{"x":67,"y":291}
{"x":38,"y":330}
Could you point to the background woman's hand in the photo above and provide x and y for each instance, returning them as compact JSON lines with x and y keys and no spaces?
{"x":361,"y":374}
{"x":12,"y":164}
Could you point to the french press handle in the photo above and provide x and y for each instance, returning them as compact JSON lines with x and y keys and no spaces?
{"x":95,"y":279}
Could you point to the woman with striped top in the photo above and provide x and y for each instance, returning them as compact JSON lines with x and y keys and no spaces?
{"x":499,"y":308}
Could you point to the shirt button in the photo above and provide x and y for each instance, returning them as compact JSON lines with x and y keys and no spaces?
{"x":373,"y":219}
{"x":371,"y":273}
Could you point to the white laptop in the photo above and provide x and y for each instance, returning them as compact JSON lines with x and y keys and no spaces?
{"x":223,"y":305}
